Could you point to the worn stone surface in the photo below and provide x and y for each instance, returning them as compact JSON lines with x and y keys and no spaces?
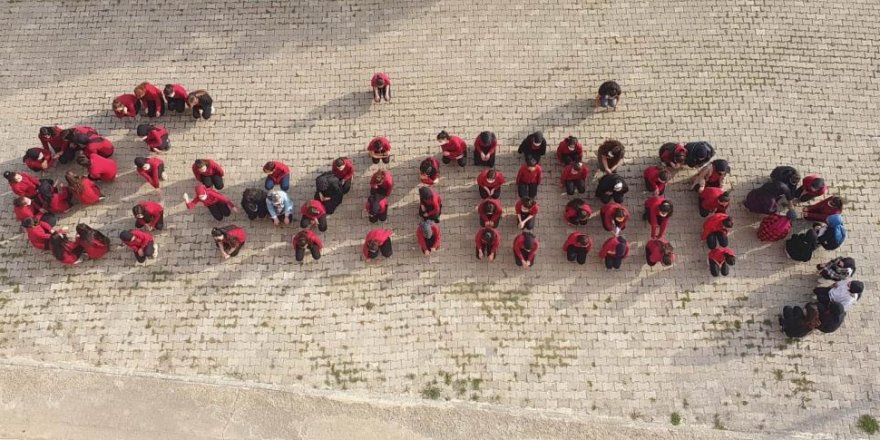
{"x":768,"y":82}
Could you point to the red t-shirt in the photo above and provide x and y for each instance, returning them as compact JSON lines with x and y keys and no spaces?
{"x":374,"y":81}
{"x":378,"y":235}
{"x":454,"y":148}
{"x":152,"y":175}
{"x":304,"y":210}
{"x":569,"y":174}
{"x":128,"y":100}
{"x":483,"y":180}
{"x":524,"y":176}
{"x":607,"y":213}
{"x":495,"y":216}
{"x":213,"y":168}
{"x":279,"y":172}
{"x":347,"y":171}
{"x":518,"y":243}
{"x":102,"y":169}
{"x":713,"y":224}
{"x":496,"y":241}
{"x":573,"y":241}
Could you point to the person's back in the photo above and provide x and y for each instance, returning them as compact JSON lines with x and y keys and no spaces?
{"x":830,"y":317}
{"x":800,"y":246}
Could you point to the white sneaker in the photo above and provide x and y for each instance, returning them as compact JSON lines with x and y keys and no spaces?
{"x":155,"y":251}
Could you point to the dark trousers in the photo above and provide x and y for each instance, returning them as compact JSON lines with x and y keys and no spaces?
{"x":322,"y":223}
{"x":346,"y":186}
{"x":485,"y":195}
{"x":141,"y":222}
{"x":429,"y":242}
{"x":384,"y":93}
{"x":67,"y":156}
{"x":572,"y":185}
{"x":648,"y":187}
{"x":716,"y":239}
{"x":822,"y":295}
{"x":527,"y":190}
{"x":384,"y":249}
{"x":576,"y":253}
{"x":569,"y":158}
{"x":49,"y":218}
{"x":300,"y":252}
{"x":715,"y":269}
{"x":213,"y":181}
{"x":284,"y":185}
{"x":177,"y":104}
{"x":478,"y":161}
{"x":203,"y":112}
{"x":703,"y":212}
{"x":462,"y":161}
{"x":152,"y":109}
{"x":227,"y":248}
{"x":380,"y":217}
{"x":526,"y":255}
{"x":613,"y":262}
{"x":529,"y":224}
{"x":220,"y":211}
{"x":382,"y":191}
{"x":607,"y":198}
{"x":383,"y":160}
{"x":329,"y":205}
{"x":148,"y":253}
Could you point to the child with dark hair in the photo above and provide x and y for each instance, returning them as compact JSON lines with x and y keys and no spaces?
{"x":382,"y":183}
{"x":429,"y":171}
{"x":800,"y":246}
{"x":26,"y":207}
{"x":306,"y":239}
{"x":377,"y":208}
{"x":313,"y":214}
{"x":328,"y":190}
{"x":100,"y":168}
{"x":614,"y":251}
{"x":788,"y":176}
{"x":713,"y":199}
{"x":489,"y":211}
{"x":377,"y":242}
{"x":715,"y":230}
{"x":38,"y":159}
{"x":379,"y":149}
{"x":430,"y":204}
{"x":659,"y":250}
{"x":775,"y":227}
{"x":812,"y":186}
{"x":798,"y":322}
{"x":528,"y":178}
{"x":609,"y":95}
{"x":577,"y":212}
{"x":229,"y":240}
{"x":711,"y":176}
{"x":22,"y":184}
{"x":453,"y":148}
{"x":83,"y":188}
{"x":577,"y":246}
{"x":673,"y":155}
{"x":611,"y":187}
{"x":819,"y":212}
{"x":277,"y":173}
{"x":155,"y":136}
{"x":656,"y":179}
{"x":152,"y":169}
{"x":767,"y":198}
{"x":489,"y":183}
{"x":658,"y":211}
{"x":151,"y":98}
{"x":614,"y":217}
{"x":201,"y":103}
{"x":837,"y":269}
{"x":57,"y":199}
{"x":699,"y":153}
{"x":720,"y":260}
{"x":66,"y":251}
{"x":381,"y":84}
{"x":141,"y":244}
{"x":343,"y":169}
{"x":534,"y":147}
{"x":525,"y":249}
{"x":610,"y":156}
{"x":92,"y":241}
{"x":574,"y":178}
{"x":208,"y":173}
{"x":487,"y":241}
{"x":485,"y":146}
{"x":175,"y":96}
{"x":526,"y":210}
{"x":569,"y":150}
{"x":38,"y":232}
{"x":148,"y":215}
{"x":218,"y":204}
{"x":429,"y":237}
{"x":126,"y":106}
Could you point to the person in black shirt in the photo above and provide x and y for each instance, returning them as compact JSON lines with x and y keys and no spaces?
{"x":609,"y":95}
{"x":534,"y":146}
{"x":253,"y":201}
{"x":611,"y":187}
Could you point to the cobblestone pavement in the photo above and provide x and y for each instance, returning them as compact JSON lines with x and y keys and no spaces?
{"x":767,"y":81}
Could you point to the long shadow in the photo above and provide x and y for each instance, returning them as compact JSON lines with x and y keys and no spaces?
{"x":350,"y":106}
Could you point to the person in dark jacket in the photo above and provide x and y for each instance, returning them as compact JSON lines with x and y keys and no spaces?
{"x":485,"y":147}
{"x":698,"y":153}
{"x":830,"y":316}
{"x":533,"y":146}
{"x":229,"y":240}
{"x":797,"y":322}
{"x":611,"y":187}
{"x":253,"y":201}
{"x":577,"y":246}
{"x":38,"y":232}
{"x":833,"y":234}
{"x":800,"y":247}
{"x":377,"y":208}
{"x":201,"y":103}
{"x":306,"y":239}
{"x":837,"y":269}
{"x":487,"y":242}
{"x":768,"y":198}
{"x":610,"y":156}
{"x":328,"y":190}
{"x":787,"y":176}
{"x":609,"y":95}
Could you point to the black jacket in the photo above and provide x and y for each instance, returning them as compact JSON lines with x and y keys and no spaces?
{"x":800,"y":247}
{"x":253,"y":202}
{"x":525,"y":147}
{"x":607,"y":182}
{"x":831,"y":317}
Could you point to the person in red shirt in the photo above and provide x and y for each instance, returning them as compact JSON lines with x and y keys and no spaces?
{"x":343,"y":169}
{"x":201,"y":103}
{"x":38,"y":233}
{"x":490,"y":212}
{"x":151,"y":169}
{"x":569,"y":151}
{"x":487,"y":241}
{"x":430,"y":204}
{"x":382,"y":183}
{"x":817,"y":212}
{"x":577,"y":246}
{"x":775,"y":227}
{"x":92,"y":144}
{"x":381,"y":84}
{"x":67,"y":251}
{"x":377,"y":208}
{"x":277,"y":173}
{"x":92,"y":241}
{"x":378,"y":241}
{"x":485,"y":146}
{"x":428,"y":235}
{"x":673,"y":155}
{"x":141,"y":244}
{"x":528,"y":178}
{"x":525,"y":249}
{"x":229,"y":240}
{"x":22,"y":184}
{"x":453,"y":148}
{"x":574,"y":177}
{"x":614,"y":251}
{"x":151,"y":98}
{"x":577,"y":212}
{"x":148,"y":215}
{"x":659,"y":250}
{"x":658,"y":211}
{"x":175,"y":96}
{"x":219,"y":205}
{"x":155,"y":136}
{"x":38,"y":159}
{"x":429,"y":171}
{"x":209,"y":173}
{"x":61,"y":140}
{"x":711,"y":176}
{"x":100,"y":168}
{"x":489,"y":183}
{"x":713,"y":199}
{"x":379,"y":149}
{"x":614,"y":217}
{"x":526,"y":210}
{"x":720,"y":260}
{"x":313,"y":213}
{"x":811,"y":187}
{"x":25,"y":207}
{"x":126,"y":106}
{"x":83,"y":188}
{"x":610,"y":156}
{"x":656,"y":179}
{"x":306,"y":239}
{"x":53,"y":137}
{"x":715,"y":230}
{"x":56,"y":199}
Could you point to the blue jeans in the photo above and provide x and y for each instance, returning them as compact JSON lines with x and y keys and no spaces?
{"x":285,"y":183}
